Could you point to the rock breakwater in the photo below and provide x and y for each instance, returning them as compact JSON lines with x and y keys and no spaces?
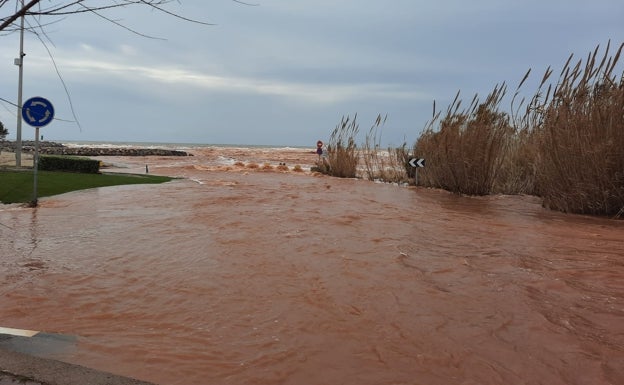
{"x":53,"y":148}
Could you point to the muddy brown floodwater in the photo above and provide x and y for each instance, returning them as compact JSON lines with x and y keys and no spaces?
{"x":242,"y":276}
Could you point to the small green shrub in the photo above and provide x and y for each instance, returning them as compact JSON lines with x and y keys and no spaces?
{"x":68,"y":163}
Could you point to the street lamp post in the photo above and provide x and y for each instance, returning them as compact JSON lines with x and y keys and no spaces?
{"x":20,"y":62}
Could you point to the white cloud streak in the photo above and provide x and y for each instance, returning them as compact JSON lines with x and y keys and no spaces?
{"x":94,"y":66}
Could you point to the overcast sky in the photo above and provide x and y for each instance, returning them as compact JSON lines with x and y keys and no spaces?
{"x":284,"y":72}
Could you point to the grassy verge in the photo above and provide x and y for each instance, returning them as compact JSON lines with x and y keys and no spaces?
{"x":17,"y":186}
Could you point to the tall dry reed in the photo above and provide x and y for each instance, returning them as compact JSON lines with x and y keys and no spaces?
{"x":342,"y":152}
{"x":578,"y":129}
{"x":387,"y":165}
{"x":467,"y":152}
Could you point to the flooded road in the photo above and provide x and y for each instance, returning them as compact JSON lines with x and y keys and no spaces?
{"x":241,"y":276}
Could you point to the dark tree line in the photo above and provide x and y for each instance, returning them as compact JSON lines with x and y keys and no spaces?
{"x":3,"y":131}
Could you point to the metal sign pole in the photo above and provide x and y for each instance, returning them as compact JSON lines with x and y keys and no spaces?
{"x":416,"y":163}
{"x":35,"y":166}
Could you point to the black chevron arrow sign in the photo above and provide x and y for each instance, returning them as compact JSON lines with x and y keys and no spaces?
{"x":417,"y":162}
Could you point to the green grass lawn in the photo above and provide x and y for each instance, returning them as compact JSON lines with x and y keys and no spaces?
{"x":17,"y":186}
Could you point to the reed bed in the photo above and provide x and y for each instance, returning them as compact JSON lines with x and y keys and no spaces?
{"x":342,"y":151}
{"x":468,"y":151}
{"x":565,"y":145}
{"x":345,"y":159}
{"x":579,"y":129}
{"x":387,"y":165}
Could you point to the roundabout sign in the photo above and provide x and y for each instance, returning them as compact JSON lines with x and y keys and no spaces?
{"x":38,"y":111}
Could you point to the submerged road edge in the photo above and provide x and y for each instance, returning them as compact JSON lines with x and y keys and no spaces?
{"x":20,"y":368}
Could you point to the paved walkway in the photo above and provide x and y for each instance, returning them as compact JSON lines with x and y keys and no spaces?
{"x":7,"y":159}
{"x":9,"y":379}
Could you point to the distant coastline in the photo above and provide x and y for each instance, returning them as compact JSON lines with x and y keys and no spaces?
{"x":110,"y":148}
{"x":179,"y":146}
{"x":9,"y":145}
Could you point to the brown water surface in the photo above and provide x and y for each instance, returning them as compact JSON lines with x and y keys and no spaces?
{"x":241,"y":276}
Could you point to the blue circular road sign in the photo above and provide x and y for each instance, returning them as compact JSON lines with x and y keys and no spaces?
{"x":37,"y":111}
